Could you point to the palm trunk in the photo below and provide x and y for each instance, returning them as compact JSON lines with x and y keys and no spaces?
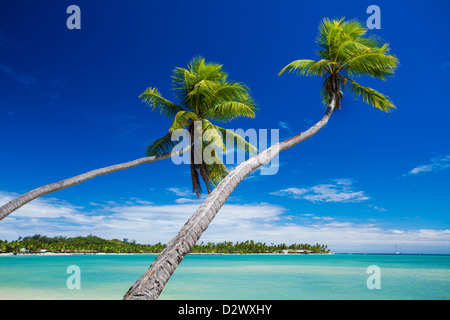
{"x":18,"y":202}
{"x":196,"y":187}
{"x":205,"y":176}
{"x":150,"y":285}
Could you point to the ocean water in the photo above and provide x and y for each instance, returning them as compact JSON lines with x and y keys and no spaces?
{"x":232,"y":277}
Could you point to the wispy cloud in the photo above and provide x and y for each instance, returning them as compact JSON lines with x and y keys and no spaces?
{"x":186,"y":196}
{"x":143,"y":221}
{"x":436,"y":164}
{"x":21,"y":77}
{"x":380,"y":209}
{"x":338,"y":190}
{"x":307,"y":122}
{"x":314,"y":217}
{"x":50,"y":89}
{"x":286,"y":126}
{"x":181,"y":192}
{"x":149,"y":223}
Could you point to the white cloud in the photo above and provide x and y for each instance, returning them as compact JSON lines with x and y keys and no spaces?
{"x":380,"y":209}
{"x":188,"y":200}
{"x":41,"y":208}
{"x":436,"y":164}
{"x":286,"y":126}
{"x":323,"y":218}
{"x":149,"y":223}
{"x":181,"y":192}
{"x":338,"y":190}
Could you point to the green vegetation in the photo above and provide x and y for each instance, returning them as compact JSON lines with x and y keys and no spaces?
{"x":204,"y":95}
{"x":347,"y":52}
{"x":256,"y":247}
{"x":93,"y":244}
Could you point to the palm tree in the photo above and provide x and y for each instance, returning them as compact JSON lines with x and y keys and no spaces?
{"x":204,"y":94}
{"x":346,"y":51}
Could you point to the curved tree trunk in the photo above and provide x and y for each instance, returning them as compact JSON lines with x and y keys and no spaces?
{"x":150,"y":285}
{"x":18,"y":202}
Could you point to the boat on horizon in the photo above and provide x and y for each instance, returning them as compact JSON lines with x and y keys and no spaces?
{"x":397,"y":251}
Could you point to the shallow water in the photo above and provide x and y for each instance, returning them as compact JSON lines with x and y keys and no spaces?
{"x":231,"y":277}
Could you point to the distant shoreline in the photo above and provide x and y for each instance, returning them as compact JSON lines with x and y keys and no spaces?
{"x":50,"y":254}
{"x":93,"y":244}
{"x":9,"y":254}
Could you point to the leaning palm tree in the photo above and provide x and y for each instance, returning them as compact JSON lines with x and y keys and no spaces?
{"x":204,"y":94}
{"x":346,"y":51}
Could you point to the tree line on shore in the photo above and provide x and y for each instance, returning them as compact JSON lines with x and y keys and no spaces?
{"x":93,"y":244}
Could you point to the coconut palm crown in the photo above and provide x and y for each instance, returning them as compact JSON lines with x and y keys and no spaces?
{"x":203,"y":94}
{"x":346,"y":52}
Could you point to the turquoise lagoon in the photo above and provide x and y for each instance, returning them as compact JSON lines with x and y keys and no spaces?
{"x":231,"y":277}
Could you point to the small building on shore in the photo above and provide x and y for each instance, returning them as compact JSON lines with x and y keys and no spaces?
{"x":291,"y":251}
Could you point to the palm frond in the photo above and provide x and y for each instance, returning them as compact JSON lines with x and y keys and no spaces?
{"x":348,"y":49}
{"x":230,"y":136}
{"x":230,"y":91}
{"x":328,"y":37}
{"x":217,"y":171}
{"x":153,"y":98}
{"x":182,"y":119}
{"x":182,"y":83}
{"x":206,"y":71}
{"x":196,"y":64}
{"x":353,"y":29}
{"x":229,"y":110}
{"x":301,"y":67}
{"x":212,"y":134}
{"x":321,"y":67}
{"x":371,"y":96}
{"x":371,"y":41}
{"x":213,"y":72}
{"x":374,"y":63}
{"x":161,"y":146}
{"x":200,"y":95}
{"x":212,"y":166}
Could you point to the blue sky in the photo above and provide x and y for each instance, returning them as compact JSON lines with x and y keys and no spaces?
{"x":367,"y":182}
